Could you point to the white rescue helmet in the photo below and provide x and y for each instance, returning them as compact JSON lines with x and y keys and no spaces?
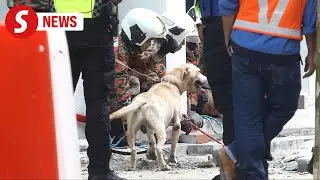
{"x":141,"y":24}
{"x":194,"y":35}
{"x":179,"y":25}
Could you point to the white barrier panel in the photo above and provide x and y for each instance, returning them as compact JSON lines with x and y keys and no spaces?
{"x":38,"y":125}
{"x":64,"y":111}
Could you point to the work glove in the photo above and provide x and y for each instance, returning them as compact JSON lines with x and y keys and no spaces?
{"x":169,"y":46}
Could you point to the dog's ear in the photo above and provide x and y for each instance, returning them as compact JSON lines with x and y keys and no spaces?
{"x":186,"y":72}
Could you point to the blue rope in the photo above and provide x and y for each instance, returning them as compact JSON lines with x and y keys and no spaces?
{"x":116,"y":144}
{"x":209,"y":118}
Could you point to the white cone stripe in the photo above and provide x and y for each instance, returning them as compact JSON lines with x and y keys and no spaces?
{"x":64,"y":111}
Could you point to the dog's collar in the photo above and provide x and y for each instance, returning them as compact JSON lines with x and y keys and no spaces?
{"x":173,"y":83}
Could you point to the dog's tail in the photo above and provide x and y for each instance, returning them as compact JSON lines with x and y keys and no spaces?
{"x":127,"y":109}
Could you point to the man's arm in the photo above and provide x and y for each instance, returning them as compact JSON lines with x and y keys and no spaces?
{"x":228,"y":22}
{"x":311,"y":43}
{"x":229,"y":9}
{"x":200,"y":28}
{"x":121,"y":70}
{"x":309,"y":30}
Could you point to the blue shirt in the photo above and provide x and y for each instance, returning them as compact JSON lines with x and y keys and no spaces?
{"x":209,"y":7}
{"x":266,"y":43}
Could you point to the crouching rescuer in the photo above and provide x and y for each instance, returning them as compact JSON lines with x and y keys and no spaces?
{"x":145,"y":38}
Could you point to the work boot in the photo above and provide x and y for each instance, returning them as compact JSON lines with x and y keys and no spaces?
{"x":228,"y":169}
{"x":266,"y":168}
{"x":109,"y":176}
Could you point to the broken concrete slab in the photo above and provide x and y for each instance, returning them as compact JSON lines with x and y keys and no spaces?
{"x":289,"y":158}
{"x":285,"y":146}
{"x":182,"y":148}
{"x":291,"y":166}
{"x":206,"y":164}
{"x":303,"y":153}
{"x":202,"y":149}
{"x":195,"y":137}
{"x":285,"y":143}
{"x":303,"y":163}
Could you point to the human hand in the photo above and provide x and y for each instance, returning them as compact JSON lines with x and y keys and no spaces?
{"x":229,"y":50}
{"x":229,"y":47}
{"x":310,"y":66}
{"x":170,"y":45}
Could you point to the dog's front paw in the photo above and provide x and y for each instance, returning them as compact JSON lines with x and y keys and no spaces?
{"x":151,"y":155}
{"x":173,"y":159}
{"x":165,"y":168}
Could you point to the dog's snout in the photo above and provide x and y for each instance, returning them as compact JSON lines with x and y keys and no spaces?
{"x":203,"y":79}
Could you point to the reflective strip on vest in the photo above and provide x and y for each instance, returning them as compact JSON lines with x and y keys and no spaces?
{"x":197,"y":9}
{"x":75,"y":6}
{"x":267,"y":28}
{"x":271,"y":27}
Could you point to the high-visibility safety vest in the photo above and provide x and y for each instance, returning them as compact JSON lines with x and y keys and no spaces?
{"x":38,"y":130}
{"x":75,"y":6}
{"x":280,"y":18}
{"x":197,"y":9}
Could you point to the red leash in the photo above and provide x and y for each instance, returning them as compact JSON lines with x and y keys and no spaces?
{"x":197,"y":128}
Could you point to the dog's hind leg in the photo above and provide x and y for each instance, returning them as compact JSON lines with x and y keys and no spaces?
{"x":131,"y":141}
{"x":161,"y":137}
{"x":152,"y":142}
{"x":175,"y":137}
{"x":131,"y":137}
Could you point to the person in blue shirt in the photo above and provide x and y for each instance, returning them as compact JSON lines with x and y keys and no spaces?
{"x":217,"y":63}
{"x":266,"y":77}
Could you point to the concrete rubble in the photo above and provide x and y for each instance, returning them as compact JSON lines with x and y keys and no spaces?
{"x":292,"y":153}
{"x":291,"y":156}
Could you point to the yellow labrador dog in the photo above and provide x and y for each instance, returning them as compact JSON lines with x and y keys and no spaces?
{"x":159,"y":108}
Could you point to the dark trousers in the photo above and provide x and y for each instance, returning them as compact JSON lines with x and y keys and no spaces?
{"x":266,"y":90}
{"x":91,"y":52}
{"x":117,"y":129}
{"x":218,"y":65}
